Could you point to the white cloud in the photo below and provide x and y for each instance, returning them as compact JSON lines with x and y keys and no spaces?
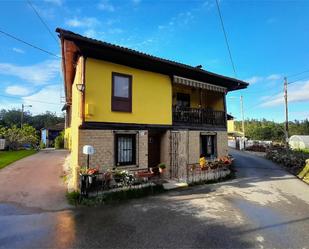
{"x":296,"y":93}
{"x":106,"y":5}
{"x":38,"y":74}
{"x":17,"y":90}
{"x":208,"y":5}
{"x":47,"y":99}
{"x":86,"y":22}
{"x":56,"y":2}
{"x":254,"y":79}
{"x":18,"y":50}
{"x":274,"y":77}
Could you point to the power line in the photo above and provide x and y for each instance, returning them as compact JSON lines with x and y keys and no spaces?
{"x":225,"y":36}
{"x":42,"y":21}
{"x":296,"y":74}
{"x":304,"y":78}
{"x":29,"y":100}
{"x":29,"y":44}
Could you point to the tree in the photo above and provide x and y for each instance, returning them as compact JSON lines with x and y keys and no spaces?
{"x":16,"y":137}
{"x":9,"y":118}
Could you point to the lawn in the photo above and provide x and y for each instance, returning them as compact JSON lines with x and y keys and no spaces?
{"x":8,"y":157}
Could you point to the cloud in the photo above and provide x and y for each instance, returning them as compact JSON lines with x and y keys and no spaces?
{"x":208,"y":5}
{"x":18,"y":50}
{"x":38,"y":74}
{"x":17,"y":90}
{"x":296,"y":93}
{"x":47,"y":99}
{"x":274,"y":77}
{"x":254,"y":79}
{"x":269,"y":78}
{"x":56,"y":2}
{"x":106,"y":6}
{"x":86,"y":22}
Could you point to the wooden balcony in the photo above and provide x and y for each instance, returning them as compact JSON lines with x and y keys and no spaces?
{"x":187,"y":116}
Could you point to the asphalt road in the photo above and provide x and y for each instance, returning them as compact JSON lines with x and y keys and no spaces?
{"x":264,"y":207}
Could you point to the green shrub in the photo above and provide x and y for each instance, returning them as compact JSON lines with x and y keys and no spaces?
{"x":42,"y":145}
{"x":73,"y":197}
{"x":59,"y":141}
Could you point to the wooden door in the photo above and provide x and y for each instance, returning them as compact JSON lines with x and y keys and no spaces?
{"x":153,"y":150}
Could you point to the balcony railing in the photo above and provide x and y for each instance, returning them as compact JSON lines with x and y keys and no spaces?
{"x":198,"y":116}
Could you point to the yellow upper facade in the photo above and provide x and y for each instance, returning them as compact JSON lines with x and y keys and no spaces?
{"x":120,"y":85}
{"x":151,"y":95}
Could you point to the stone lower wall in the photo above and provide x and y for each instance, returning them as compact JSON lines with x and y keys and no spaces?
{"x":188,"y":149}
{"x":103,"y":142}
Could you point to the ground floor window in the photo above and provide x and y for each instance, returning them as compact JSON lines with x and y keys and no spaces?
{"x":125,"y":149}
{"x":208,"y":146}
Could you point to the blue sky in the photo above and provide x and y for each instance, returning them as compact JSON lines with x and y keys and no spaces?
{"x":268,"y":40}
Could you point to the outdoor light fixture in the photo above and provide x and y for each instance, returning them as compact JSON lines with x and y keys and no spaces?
{"x":80,"y":87}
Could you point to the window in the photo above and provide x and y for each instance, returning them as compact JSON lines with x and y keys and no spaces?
{"x":121,"y":92}
{"x":208,"y":146}
{"x":183,"y":100}
{"x":125,"y":149}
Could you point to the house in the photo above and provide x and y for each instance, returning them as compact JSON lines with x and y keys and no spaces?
{"x":234,"y":136}
{"x":138,"y":110}
{"x":49,"y":134}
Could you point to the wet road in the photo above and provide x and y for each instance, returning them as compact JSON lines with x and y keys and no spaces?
{"x":264,"y":207}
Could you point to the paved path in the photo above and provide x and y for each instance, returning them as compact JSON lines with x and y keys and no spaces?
{"x":35,"y":181}
{"x":265,"y":207}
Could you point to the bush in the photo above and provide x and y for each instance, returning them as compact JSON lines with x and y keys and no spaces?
{"x":42,"y":145}
{"x":293,"y":161}
{"x":59,"y":141}
{"x":17,"y":137}
{"x":73,"y":197}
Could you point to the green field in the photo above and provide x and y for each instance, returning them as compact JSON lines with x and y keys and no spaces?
{"x":8,"y":157}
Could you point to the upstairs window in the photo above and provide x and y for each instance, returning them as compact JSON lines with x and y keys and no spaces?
{"x":183,"y":100}
{"x":121,"y":92}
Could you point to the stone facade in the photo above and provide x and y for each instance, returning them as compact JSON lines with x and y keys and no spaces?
{"x":176,"y":155}
{"x":187,"y":150}
{"x":103,"y":143}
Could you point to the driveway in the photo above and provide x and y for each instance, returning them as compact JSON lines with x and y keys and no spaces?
{"x":35,"y":181}
{"x":264,"y":207}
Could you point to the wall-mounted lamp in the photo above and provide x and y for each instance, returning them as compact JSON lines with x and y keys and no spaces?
{"x":80,"y":87}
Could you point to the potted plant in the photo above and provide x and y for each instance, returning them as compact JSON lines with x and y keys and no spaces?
{"x":162,"y":168}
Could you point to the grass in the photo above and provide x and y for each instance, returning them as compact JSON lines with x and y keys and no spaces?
{"x":8,"y":157}
{"x":74,"y":198}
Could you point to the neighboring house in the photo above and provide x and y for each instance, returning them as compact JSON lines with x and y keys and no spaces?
{"x":138,"y":110}
{"x":299,"y":142}
{"x":234,"y":136}
{"x":49,"y":134}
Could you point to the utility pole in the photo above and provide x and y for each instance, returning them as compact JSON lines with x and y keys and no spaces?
{"x":22,"y":114}
{"x":243,"y":120}
{"x":286,"y":112}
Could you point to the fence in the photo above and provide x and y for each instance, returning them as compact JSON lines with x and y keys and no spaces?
{"x":2,"y":144}
{"x":196,"y":174}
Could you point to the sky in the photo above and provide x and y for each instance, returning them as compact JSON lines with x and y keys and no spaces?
{"x":268,"y":40}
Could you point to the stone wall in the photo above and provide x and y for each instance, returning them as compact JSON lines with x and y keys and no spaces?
{"x":189,"y":149}
{"x":103,"y":143}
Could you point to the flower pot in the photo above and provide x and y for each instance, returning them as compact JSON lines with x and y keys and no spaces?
{"x":161,"y":170}
{"x":90,"y":179}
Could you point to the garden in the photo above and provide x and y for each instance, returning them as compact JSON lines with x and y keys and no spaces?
{"x":20,"y":143}
{"x":294,"y":161}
